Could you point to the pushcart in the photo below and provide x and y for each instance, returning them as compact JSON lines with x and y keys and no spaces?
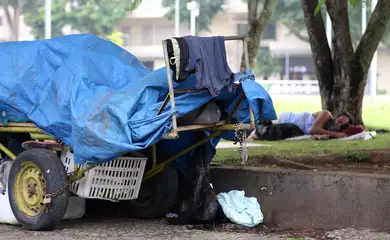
{"x":44,"y":174}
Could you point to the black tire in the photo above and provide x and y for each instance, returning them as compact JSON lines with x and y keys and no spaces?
{"x":160,"y":191}
{"x":52,"y":177}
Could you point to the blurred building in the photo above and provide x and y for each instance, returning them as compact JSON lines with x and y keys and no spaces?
{"x":145,"y":28}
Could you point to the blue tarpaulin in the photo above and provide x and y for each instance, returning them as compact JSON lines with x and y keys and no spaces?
{"x":100,"y":99}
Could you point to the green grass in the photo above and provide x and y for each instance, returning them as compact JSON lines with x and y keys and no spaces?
{"x":375,"y":116}
{"x":290,"y":150}
{"x":356,"y":149}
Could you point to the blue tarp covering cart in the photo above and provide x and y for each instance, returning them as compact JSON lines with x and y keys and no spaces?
{"x":102,"y":102}
{"x":98,"y":98}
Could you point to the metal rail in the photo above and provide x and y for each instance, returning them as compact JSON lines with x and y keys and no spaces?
{"x":174,"y":133}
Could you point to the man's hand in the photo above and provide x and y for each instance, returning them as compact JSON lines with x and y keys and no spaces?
{"x":340,"y":135}
{"x":320,"y":137}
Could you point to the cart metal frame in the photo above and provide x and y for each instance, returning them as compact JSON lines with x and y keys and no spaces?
{"x":217,"y":128}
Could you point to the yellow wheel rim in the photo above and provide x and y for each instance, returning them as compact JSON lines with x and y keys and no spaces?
{"x":30,"y":189}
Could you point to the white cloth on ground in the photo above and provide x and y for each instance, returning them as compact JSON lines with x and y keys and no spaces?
{"x":240,"y":209}
{"x":360,"y":136}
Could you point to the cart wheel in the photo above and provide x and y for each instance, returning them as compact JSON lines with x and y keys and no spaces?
{"x":34,"y":174}
{"x":157,"y":195}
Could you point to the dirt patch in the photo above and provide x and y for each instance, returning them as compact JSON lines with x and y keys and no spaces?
{"x":377,"y":161}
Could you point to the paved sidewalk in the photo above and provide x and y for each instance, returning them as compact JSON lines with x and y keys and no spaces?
{"x":232,"y":145}
{"x":123,"y":229}
{"x":158,"y":229}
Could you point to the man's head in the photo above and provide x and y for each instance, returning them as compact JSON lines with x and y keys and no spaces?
{"x":344,"y":118}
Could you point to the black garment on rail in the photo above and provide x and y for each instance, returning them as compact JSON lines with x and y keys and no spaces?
{"x":204,"y":56}
{"x":178,"y":56}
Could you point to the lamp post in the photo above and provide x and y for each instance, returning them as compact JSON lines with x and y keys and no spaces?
{"x":374,"y":65}
{"x":193,"y":7}
{"x":329,"y":30}
{"x":177,"y":18}
{"x":364,"y":16}
{"x":47,"y":19}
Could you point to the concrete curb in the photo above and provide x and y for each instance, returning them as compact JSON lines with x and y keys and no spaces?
{"x":300,"y":199}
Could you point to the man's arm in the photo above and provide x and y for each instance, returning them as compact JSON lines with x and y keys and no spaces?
{"x":318,"y":125}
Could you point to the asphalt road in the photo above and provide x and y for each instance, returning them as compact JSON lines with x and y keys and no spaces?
{"x":151,"y":230}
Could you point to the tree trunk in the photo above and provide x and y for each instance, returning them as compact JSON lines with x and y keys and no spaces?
{"x":13,"y":20}
{"x":321,"y":52}
{"x":342,"y":78}
{"x":10,"y":21}
{"x":16,"y":21}
{"x":257,"y":23}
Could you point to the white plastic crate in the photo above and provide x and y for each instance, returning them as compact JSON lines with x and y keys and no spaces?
{"x":119,"y":179}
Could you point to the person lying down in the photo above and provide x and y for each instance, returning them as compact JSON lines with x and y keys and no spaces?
{"x":320,"y":125}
